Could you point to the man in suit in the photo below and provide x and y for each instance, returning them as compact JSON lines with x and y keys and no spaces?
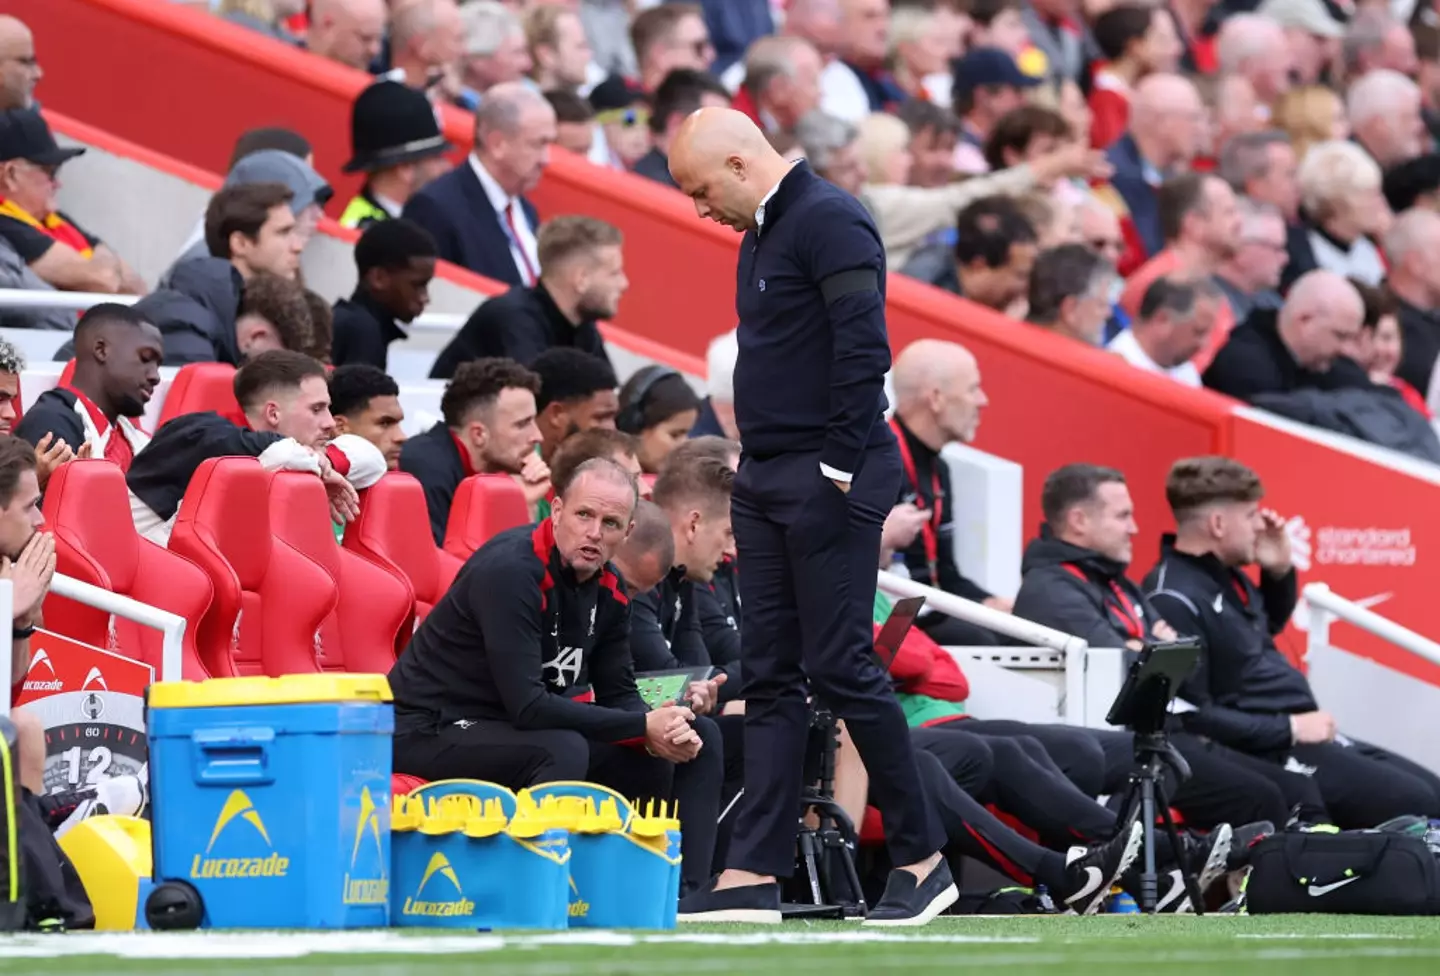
{"x":477,"y":212}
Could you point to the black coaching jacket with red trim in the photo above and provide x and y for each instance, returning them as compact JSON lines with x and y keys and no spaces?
{"x":516,"y":638}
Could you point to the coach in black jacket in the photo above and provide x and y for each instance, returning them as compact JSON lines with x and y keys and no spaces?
{"x":819,"y":474}
{"x":1073,"y":579}
{"x":1247,"y":694}
{"x":488,"y":686}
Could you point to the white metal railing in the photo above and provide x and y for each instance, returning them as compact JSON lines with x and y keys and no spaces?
{"x":78,"y":301}
{"x":170,"y":625}
{"x":1325,"y":605}
{"x":1073,"y":649}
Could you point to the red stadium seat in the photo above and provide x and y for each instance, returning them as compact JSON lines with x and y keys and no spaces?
{"x":393,"y":531}
{"x":88,"y":509}
{"x":270,"y":600}
{"x":67,"y":374}
{"x":200,"y":387}
{"x":402,"y":783}
{"x":485,"y":505}
{"x":375,"y":606}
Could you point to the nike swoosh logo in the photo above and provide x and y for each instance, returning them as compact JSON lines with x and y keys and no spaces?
{"x":1094,"y":878}
{"x":1373,"y":601}
{"x":1219,"y":602}
{"x":1317,"y":890}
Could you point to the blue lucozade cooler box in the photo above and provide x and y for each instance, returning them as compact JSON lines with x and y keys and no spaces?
{"x":271,"y":796}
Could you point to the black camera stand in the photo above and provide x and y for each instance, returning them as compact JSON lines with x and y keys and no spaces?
{"x":1145,"y":797}
{"x":825,"y":852}
{"x":1143,"y":707}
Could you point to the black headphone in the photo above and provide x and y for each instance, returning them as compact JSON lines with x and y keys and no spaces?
{"x":631,"y":418}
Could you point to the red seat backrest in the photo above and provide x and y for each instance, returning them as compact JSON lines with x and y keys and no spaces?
{"x":393,"y":530}
{"x":199,"y":387}
{"x":270,"y":600}
{"x":374,"y":606}
{"x":87,"y":508}
{"x":68,"y":373}
{"x":485,"y":505}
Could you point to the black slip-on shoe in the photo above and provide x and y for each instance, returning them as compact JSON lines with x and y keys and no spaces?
{"x":910,"y":902}
{"x":752,"y":904}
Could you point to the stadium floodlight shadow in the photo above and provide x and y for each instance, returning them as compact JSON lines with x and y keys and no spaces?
{"x":1143,"y":707}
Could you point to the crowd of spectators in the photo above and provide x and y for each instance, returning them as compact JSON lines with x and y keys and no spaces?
{"x":1230,"y":195}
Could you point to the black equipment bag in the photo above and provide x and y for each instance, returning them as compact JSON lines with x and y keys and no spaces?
{"x":54,"y":896}
{"x":1003,"y":901}
{"x":1351,"y":873}
{"x":12,"y":858}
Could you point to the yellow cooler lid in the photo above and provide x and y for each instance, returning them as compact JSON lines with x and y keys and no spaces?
{"x":291,"y":689}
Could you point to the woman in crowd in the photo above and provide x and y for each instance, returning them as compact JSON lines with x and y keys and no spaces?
{"x":1380,"y":344}
{"x":659,"y":408}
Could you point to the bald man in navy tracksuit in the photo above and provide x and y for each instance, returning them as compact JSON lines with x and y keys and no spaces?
{"x":819,"y":473}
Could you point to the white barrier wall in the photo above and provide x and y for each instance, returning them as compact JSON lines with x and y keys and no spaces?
{"x":987,"y":495}
{"x":1352,"y":688}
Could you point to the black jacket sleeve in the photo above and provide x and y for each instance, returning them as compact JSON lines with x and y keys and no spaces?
{"x":722,"y":641}
{"x":648,"y":647}
{"x":841,"y":252}
{"x":1056,"y":599}
{"x":507,"y":605}
{"x":1280,"y":594}
{"x":50,"y":416}
{"x":358,"y":340}
{"x":956,"y":582}
{"x":1246,"y":731}
{"x":612,"y":666}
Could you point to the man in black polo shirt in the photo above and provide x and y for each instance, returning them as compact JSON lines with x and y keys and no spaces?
{"x":1300,"y":346}
{"x":582,"y":277}
{"x":1246,"y":694}
{"x":488,"y":687}
{"x":488,"y":428}
{"x":938,"y":399}
{"x":396,"y":261}
{"x":820,"y":471}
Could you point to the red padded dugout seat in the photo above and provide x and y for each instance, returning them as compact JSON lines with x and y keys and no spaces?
{"x":374,"y":606}
{"x":484,"y":506}
{"x":270,"y":600}
{"x":199,"y":387}
{"x":87,"y":507}
{"x":393,"y":531}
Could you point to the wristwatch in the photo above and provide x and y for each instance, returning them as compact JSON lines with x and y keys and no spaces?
{"x":21,"y":633}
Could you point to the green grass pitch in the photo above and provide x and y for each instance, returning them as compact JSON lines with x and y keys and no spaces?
{"x":1311,"y":945}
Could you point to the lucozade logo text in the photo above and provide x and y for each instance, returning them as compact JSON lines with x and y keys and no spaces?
{"x":238,"y":813}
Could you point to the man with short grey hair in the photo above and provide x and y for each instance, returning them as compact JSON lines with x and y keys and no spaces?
{"x":1176,"y":318}
{"x":495,"y":49}
{"x":1263,"y":167}
{"x":782,"y":82}
{"x":1384,"y":112}
{"x":831,"y":146}
{"x":1250,"y":276}
{"x":1375,"y":40}
{"x":477,"y":212}
{"x":1070,"y":292}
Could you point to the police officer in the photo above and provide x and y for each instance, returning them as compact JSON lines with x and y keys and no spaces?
{"x":396,"y":142}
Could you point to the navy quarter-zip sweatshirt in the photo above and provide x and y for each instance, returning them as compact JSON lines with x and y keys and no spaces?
{"x":810,"y":295}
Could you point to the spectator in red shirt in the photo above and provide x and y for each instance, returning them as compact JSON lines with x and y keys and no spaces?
{"x":1201,"y":222}
{"x":1136,"y":41}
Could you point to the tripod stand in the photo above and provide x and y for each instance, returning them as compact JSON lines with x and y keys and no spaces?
{"x":826,"y":850}
{"x":1146,"y":795}
{"x":1143,"y":707}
